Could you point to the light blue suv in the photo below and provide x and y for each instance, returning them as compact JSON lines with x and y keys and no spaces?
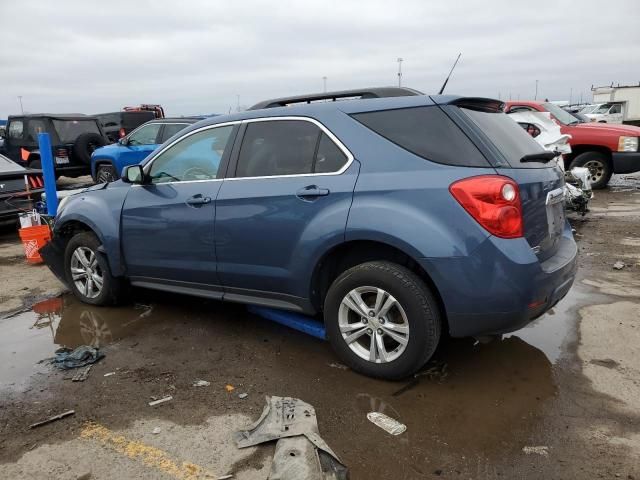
{"x":393,"y":216}
{"x":107,"y":162}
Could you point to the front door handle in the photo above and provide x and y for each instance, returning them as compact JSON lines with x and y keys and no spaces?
{"x":312,"y":191}
{"x":198,"y":200}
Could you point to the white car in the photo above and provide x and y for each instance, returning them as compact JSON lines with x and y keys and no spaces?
{"x":606,"y":113}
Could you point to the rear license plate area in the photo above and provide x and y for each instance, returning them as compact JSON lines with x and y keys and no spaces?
{"x":62,"y":160}
{"x":555,"y":212}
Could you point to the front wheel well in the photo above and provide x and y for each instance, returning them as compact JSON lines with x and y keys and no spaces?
{"x":350,"y":254}
{"x":579,"y":149}
{"x":71,"y":228}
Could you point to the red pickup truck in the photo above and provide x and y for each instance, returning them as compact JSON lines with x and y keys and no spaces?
{"x":603,"y":148}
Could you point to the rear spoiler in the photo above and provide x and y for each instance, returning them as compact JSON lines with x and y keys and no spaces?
{"x":480,"y":104}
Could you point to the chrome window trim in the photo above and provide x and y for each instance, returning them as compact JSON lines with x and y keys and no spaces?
{"x":324,"y":129}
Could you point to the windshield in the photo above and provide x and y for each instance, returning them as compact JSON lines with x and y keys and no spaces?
{"x":602,"y":108}
{"x":69,"y":130}
{"x":589,"y":109}
{"x":561,"y":115}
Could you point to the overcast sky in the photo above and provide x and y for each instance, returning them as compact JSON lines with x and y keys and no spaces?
{"x":197,"y":56}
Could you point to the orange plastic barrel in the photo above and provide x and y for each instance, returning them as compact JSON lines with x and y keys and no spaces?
{"x":33,"y":239}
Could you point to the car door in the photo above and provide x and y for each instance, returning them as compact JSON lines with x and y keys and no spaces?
{"x":168,"y":222}
{"x":288,"y":199}
{"x":140,"y":143}
{"x":615,"y":113}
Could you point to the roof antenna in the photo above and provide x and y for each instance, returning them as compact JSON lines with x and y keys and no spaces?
{"x":447,"y":80}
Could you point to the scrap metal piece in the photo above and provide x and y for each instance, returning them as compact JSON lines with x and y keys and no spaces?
{"x":53,"y":419}
{"x":388,"y":424}
{"x":162,"y":400}
{"x":300,"y":451}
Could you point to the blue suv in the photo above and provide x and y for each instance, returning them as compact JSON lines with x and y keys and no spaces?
{"x":394,"y":216}
{"x":107,"y":162}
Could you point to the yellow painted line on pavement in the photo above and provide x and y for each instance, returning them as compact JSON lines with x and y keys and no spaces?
{"x":151,"y":457}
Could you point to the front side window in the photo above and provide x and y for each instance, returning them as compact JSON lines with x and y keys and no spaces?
{"x":616,"y":109}
{"x":170,"y":129}
{"x":147,"y":135}
{"x":15,"y":129}
{"x":196,"y":157}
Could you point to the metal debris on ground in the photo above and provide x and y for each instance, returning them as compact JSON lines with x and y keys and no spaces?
{"x":162,"y":400}
{"x":230,"y":388}
{"x":109,"y":374}
{"x":619,"y":265}
{"x":82,"y":375}
{"x":83,"y":355}
{"x":201,"y":383}
{"x":156,"y":430}
{"x":541,"y":450}
{"x":300,"y":451}
{"x":386,"y":423}
{"x":243,"y":395}
{"x":53,"y":419}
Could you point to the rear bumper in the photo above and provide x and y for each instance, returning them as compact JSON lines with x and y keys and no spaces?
{"x":502,"y":286}
{"x":626,"y":162}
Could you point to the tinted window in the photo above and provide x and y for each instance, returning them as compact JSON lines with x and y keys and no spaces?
{"x":110,"y":119}
{"x":278,"y":147}
{"x":171,"y":129}
{"x":329,"y":157}
{"x":34,"y":127}
{"x":521,"y":109}
{"x":507,"y":136}
{"x":69,"y":130}
{"x":196,"y":157}
{"x":616,"y":109}
{"x":426,"y":132}
{"x":15,"y":129}
{"x":146,"y":135}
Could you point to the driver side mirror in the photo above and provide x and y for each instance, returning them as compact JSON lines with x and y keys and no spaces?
{"x":124,"y":141}
{"x":133,"y":174}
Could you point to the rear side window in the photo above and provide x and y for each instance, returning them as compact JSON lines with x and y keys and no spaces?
{"x":170,"y":130}
{"x":287,"y":147}
{"x":69,"y":130}
{"x":511,"y":139}
{"x":427,"y":132}
{"x":15,"y":129}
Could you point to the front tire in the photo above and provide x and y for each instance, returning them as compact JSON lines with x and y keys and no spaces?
{"x":382,"y":320}
{"x":87,"y":271}
{"x":599,"y":166}
{"x":106,"y":174}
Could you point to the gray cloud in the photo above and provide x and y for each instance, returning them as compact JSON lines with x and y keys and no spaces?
{"x":196,"y":56}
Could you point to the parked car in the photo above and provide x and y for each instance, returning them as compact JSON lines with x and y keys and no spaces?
{"x":20,"y":188}
{"x":117,"y":125}
{"x":394,"y":219}
{"x":603,"y":149}
{"x":606,"y":113}
{"x":73,"y":138}
{"x":107,"y":162}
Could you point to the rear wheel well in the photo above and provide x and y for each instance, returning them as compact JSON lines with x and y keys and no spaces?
{"x":579,"y":149}
{"x":350,"y":254}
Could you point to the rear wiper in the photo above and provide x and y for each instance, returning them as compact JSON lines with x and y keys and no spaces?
{"x":543,"y":157}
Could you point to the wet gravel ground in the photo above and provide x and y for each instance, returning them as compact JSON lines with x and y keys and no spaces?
{"x":565,"y":385}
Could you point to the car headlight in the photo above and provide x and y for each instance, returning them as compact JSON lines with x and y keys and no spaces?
{"x":628,"y":144}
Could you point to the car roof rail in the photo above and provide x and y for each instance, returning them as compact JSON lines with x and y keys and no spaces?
{"x":362,"y":93}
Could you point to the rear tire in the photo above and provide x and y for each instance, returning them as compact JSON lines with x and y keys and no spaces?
{"x":599,"y":167}
{"x":106,"y":174}
{"x":88,"y":273}
{"x":389,"y":343}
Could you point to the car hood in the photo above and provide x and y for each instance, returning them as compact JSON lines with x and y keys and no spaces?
{"x":613,"y":129}
{"x":108,"y":149}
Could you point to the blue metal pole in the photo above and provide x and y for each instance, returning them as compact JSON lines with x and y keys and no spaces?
{"x":46,"y":159}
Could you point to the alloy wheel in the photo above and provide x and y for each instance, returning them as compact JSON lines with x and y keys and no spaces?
{"x":86,"y":272}
{"x":596,"y":170}
{"x":373,"y":324}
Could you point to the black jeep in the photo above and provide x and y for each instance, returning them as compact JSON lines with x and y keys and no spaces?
{"x":74,"y":137}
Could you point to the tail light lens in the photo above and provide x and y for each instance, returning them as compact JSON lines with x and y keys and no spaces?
{"x":61,"y":152}
{"x":493,"y":201}
{"x":122,"y":133}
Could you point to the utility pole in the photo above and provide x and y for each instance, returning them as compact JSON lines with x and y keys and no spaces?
{"x":536,"y":95}
{"x":324,"y":84}
{"x":400,"y":60}
{"x":20,"y":100}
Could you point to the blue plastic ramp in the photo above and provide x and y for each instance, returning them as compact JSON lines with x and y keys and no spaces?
{"x":304,"y":324}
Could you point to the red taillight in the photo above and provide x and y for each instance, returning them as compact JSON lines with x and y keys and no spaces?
{"x":122,"y":133}
{"x":61,"y":153}
{"x":493,"y":201}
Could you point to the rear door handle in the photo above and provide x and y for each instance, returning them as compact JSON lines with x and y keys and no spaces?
{"x":198,"y":200}
{"x":312,"y":191}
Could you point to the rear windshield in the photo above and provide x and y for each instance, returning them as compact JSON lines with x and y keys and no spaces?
{"x":507,"y":136}
{"x":427,"y":132}
{"x":69,"y":130}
